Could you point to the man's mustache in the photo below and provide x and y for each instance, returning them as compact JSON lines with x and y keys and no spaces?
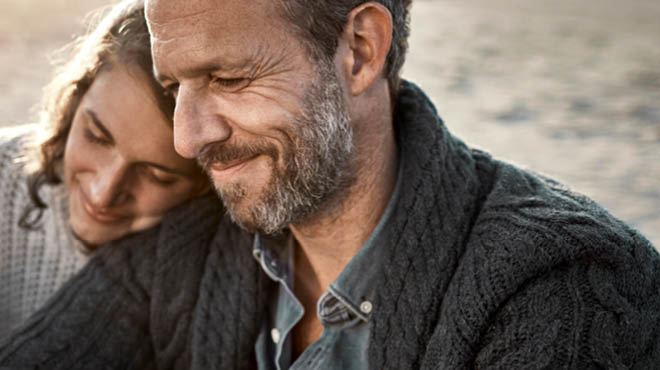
{"x":226,"y":152}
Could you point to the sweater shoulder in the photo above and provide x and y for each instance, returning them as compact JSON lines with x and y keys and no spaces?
{"x":529,"y":226}
{"x":16,"y":151}
{"x":542,"y":257}
{"x":155,"y":260}
{"x":528,"y":211}
{"x":14,"y":196}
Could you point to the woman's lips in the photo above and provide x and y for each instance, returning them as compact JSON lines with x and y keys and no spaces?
{"x":97,"y":215}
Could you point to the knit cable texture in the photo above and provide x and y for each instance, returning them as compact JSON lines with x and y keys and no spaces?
{"x":490,"y":267}
{"x":33,"y":263}
{"x":496,"y":268}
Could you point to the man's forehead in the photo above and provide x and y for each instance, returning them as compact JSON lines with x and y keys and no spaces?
{"x":165,"y":10}
{"x":225,"y":19}
{"x":201,"y":33}
{"x":160,"y":11}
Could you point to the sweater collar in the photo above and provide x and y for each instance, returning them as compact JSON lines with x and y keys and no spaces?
{"x":440,"y":182}
{"x":428,"y":230}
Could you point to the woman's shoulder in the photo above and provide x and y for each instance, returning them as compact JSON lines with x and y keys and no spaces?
{"x":17,"y":147}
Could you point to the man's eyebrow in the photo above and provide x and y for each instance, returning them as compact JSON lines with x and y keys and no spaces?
{"x":97,"y":122}
{"x":204,"y":69}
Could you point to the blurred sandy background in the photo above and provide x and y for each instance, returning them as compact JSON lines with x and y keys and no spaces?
{"x":568,"y":88}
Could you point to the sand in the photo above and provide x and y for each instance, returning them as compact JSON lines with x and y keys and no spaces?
{"x":569,"y":89}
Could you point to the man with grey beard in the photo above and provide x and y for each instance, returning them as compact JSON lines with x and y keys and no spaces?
{"x":356,"y":231}
{"x":315,"y":164}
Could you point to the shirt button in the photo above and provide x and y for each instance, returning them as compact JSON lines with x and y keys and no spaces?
{"x":366,"y":307}
{"x":275,"y":334}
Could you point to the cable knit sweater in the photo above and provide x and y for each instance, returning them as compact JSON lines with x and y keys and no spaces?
{"x":490,"y":267}
{"x":33,"y":263}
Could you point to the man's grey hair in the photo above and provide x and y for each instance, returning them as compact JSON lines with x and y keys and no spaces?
{"x":320,"y":22}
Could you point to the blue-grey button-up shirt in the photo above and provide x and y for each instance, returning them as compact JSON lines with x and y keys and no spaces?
{"x":344,"y":309}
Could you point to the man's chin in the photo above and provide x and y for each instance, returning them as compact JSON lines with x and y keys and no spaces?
{"x":241,"y":217}
{"x":249,"y":221}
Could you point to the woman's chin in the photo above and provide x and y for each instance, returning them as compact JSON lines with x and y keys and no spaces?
{"x":93,"y":234}
{"x":84,"y":245}
{"x":92,"y":237}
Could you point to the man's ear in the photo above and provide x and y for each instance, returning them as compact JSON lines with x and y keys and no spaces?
{"x":368,"y":37}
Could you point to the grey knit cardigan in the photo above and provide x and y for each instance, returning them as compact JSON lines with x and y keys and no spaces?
{"x":490,"y":267}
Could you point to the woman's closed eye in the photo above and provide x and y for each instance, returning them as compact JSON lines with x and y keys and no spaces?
{"x":96,"y":138}
{"x":158,"y":176}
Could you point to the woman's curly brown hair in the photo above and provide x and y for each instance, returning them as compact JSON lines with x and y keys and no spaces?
{"x":121,"y":36}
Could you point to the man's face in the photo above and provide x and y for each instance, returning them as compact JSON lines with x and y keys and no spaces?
{"x":269,"y":126}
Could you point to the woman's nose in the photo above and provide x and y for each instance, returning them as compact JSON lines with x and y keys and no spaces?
{"x":107,"y":188}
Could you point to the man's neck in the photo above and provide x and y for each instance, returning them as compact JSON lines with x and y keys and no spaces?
{"x":326,"y":245}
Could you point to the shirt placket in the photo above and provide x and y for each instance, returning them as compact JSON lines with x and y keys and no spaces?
{"x":289,"y":309}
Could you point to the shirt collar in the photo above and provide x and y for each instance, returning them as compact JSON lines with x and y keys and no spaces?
{"x":274,"y":256}
{"x":354,"y":285}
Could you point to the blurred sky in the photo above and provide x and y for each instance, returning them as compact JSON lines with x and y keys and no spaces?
{"x":567,"y":88}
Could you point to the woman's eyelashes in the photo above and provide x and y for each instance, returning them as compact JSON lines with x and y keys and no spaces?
{"x":151,"y":173}
{"x":96,"y":138}
{"x":158,"y":176}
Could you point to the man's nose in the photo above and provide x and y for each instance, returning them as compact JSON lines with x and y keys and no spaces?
{"x":198,"y":121}
{"x":107,"y":188}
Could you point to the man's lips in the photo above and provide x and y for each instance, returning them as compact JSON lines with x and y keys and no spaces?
{"x":226,"y":168}
{"x":96,"y":214}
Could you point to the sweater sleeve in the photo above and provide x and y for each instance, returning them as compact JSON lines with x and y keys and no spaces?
{"x":582,"y":316}
{"x":98,"y":320}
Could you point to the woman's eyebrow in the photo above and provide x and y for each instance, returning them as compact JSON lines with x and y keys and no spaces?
{"x":97,"y":122}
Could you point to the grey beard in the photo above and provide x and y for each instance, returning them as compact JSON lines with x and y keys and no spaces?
{"x":317,"y":167}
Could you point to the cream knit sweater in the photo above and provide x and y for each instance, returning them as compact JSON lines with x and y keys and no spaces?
{"x":33,"y":263}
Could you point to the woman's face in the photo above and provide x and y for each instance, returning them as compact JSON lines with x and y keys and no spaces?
{"x":120,"y":168}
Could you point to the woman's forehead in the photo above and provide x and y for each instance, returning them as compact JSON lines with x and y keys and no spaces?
{"x":123,"y":102}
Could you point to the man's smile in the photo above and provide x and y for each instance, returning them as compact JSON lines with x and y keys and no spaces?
{"x":223,"y":171}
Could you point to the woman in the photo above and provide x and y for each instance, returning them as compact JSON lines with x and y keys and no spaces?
{"x":108,"y":170}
